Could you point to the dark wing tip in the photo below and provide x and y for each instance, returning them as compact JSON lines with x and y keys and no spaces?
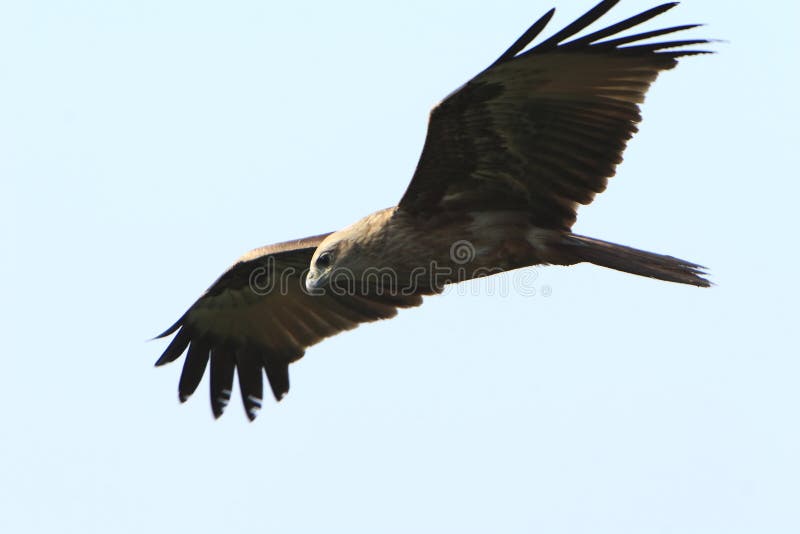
{"x":249,"y":371}
{"x":171,"y":329}
{"x":252,"y":407}
{"x":175,"y":347}
{"x":219,"y":401}
{"x":594,"y":40}
{"x":194,"y":367}
{"x":621,"y":26}
{"x":222,"y":370}
{"x":278,"y":376}
{"x":525,"y":39}
{"x":578,"y":25}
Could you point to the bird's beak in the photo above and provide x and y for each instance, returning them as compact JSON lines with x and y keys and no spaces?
{"x":315,"y":282}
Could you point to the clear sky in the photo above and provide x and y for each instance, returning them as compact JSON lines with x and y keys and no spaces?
{"x":145,"y":145}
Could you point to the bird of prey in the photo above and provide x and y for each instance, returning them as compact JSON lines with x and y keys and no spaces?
{"x":507,"y":159}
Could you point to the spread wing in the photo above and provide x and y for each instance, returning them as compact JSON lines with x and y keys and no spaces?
{"x":257,"y":318}
{"x":542,"y":130}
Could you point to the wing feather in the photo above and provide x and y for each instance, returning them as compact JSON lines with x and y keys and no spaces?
{"x":526,"y":38}
{"x":621,"y":26}
{"x":543,"y":130}
{"x":580,"y":24}
{"x":223,"y":366}
{"x":194,"y":367}
{"x":278,"y":375}
{"x":250,"y":375}
{"x":257,"y":318}
{"x":639,"y":36}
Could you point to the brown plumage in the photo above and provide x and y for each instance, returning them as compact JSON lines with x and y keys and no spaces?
{"x":507,"y":159}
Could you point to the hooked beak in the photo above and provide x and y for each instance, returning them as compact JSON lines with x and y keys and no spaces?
{"x":315,"y":282}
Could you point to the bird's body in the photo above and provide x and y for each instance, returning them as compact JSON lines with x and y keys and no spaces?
{"x":392,"y":250}
{"x":420,"y":254}
{"x":507,"y":159}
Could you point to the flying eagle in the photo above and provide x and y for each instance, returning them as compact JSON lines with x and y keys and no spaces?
{"x":507,"y":159}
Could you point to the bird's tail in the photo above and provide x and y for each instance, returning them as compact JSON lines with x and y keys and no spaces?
{"x":634,"y":261}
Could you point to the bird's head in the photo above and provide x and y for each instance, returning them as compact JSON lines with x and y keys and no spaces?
{"x":342,"y":259}
{"x":330,"y":262}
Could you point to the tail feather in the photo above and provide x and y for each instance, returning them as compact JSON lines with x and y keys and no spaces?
{"x":635,"y":261}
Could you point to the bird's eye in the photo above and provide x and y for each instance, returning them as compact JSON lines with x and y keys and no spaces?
{"x":324,"y":260}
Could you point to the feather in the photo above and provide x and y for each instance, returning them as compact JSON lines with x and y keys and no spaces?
{"x":248,"y":367}
{"x":581,"y":23}
{"x":175,"y":348}
{"x":193,"y":369}
{"x":525,"y":39}
{"x":222,"y":370}
{"x":619,"y":27}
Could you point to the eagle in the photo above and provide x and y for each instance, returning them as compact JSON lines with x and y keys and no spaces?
{"x":507,"y":159}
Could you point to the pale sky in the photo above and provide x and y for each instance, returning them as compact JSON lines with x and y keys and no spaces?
{"x":145,"y":145}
